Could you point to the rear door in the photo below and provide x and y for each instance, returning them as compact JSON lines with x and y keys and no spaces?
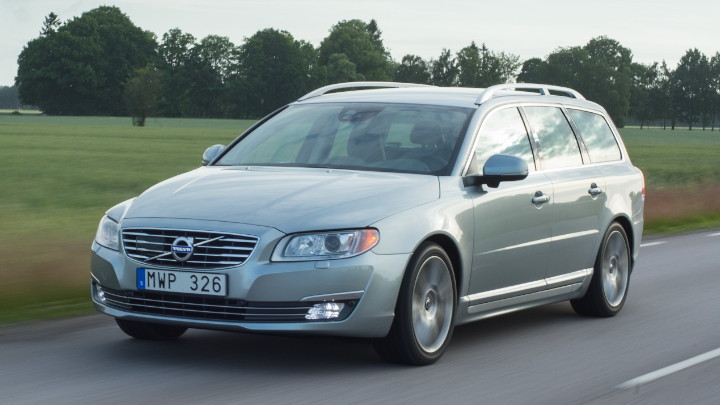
{"x":578,"y":193}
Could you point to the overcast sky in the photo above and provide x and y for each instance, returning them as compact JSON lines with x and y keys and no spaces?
{"x":653,"y":29}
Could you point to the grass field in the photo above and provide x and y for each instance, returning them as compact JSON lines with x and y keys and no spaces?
{"x":674,"y":158}
{"x":60,"y":174}
{"x":682,"y":177}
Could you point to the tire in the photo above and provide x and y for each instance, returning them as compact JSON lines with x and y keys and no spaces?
{"x":150,"y":331}
{"x":425,"y":310}
{"x":611,"y":276}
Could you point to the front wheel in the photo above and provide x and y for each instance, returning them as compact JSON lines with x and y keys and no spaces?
{"x":425,"y":310}
{"x":611,"y":278}
{"x":150,"y":331}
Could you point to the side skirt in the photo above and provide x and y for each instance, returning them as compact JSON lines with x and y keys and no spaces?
{"x":505,"y":300}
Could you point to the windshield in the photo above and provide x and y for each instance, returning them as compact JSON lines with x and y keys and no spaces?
{"x":367,"y":136}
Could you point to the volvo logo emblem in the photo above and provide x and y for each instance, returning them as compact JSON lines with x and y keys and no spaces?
{"x":182,"y":248}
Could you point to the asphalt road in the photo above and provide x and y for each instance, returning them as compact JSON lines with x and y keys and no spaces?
{"x":662,"y":348}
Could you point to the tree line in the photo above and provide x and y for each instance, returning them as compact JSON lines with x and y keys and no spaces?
{"x":9,"y":98}
{"x":102,"y":64}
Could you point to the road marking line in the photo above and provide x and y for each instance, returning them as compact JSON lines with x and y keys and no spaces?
{"x":651,"y":244}
{"x":644,"y":379}
{"x":715,"y":234}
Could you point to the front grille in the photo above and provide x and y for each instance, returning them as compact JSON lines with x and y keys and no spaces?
{"x":211,"y":250}
{"x":205,"y":308}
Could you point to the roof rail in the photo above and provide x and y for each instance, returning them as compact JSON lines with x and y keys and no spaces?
{"x":543,"y":89}
{"x":358,"y":85}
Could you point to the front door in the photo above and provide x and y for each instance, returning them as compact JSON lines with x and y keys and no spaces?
{"x":513,"y":222}
{"x":512,"y":238}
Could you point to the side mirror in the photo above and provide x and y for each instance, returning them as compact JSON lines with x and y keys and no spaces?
{"x":499,"y":168}
{"x":211,"y":153}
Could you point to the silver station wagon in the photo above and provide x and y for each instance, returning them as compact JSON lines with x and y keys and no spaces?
{"x":387,"y":211}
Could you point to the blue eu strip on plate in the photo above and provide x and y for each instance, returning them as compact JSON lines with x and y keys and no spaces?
{"x":141,"y":279}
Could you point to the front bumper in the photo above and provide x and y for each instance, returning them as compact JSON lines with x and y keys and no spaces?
{"x":263,"y":296}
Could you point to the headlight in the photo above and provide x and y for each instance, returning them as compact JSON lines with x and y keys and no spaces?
{"x":326,"y":245}
{"x":107,"y":233}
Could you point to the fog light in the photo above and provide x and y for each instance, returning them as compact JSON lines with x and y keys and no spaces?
{"x":326,"y":310}
{"x":99,"y":294}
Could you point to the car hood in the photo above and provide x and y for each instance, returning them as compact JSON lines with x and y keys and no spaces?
{"x":288,"y":199}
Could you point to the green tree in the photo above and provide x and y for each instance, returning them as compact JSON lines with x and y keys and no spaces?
{"x":714,"y":93}
{"x":508,"y":66}
{"x":176,"y":57}
{"x":660,"y":95}
{"x":55,"y":83}
{"x":175,"y":48}
{"x":375,"y":33}
{"x":674,"y":94}
{"x":361,"y":46}
{"x":51,"y":24}
{"x":212,"y":63}
{"x":480,"y":67}
{"x":469,"y":70}
{"x":339,"y":69}
{"x":218,"y":53}
{"x":315,"y":74}
{"x":563,"y":67}
{"x":412,"y":69}
{"x":601,"y":70}
{"x":692,"y":86}
{"x":644,"y":81}
{"x":609,"y":76}
{"x":533,"y":70}
{"x":143,"y":94}
{"x":444,"y":70}
{"x":81,"y":68}
{"x":566,"y":67}
{"x":273,"y":70}
{"x":9,"y":98}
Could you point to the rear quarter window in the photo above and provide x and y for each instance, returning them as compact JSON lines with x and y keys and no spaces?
{"x":597,"y":135}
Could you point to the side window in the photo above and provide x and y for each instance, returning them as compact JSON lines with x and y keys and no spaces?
{"x":598,"y":136}
{"x":558,"y":145}
{"x":504,"y":132}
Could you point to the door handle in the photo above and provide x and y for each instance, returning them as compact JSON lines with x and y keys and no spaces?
{"x":540,"y":198}
{"x":594,"y":190}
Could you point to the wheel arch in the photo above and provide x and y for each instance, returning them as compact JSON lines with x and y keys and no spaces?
{"x":453,"y":252}
{"x":627,"y":226}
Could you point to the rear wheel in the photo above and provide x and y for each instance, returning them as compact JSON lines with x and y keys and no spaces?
{"x":611,"y":278}
{"x":425,"y":310}
{"x":150,"y":331}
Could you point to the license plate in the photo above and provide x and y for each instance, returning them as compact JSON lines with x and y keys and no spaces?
{"x":182,"y":282}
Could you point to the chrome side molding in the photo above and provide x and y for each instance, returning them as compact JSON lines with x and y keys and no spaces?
{"x":342,"y":296}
